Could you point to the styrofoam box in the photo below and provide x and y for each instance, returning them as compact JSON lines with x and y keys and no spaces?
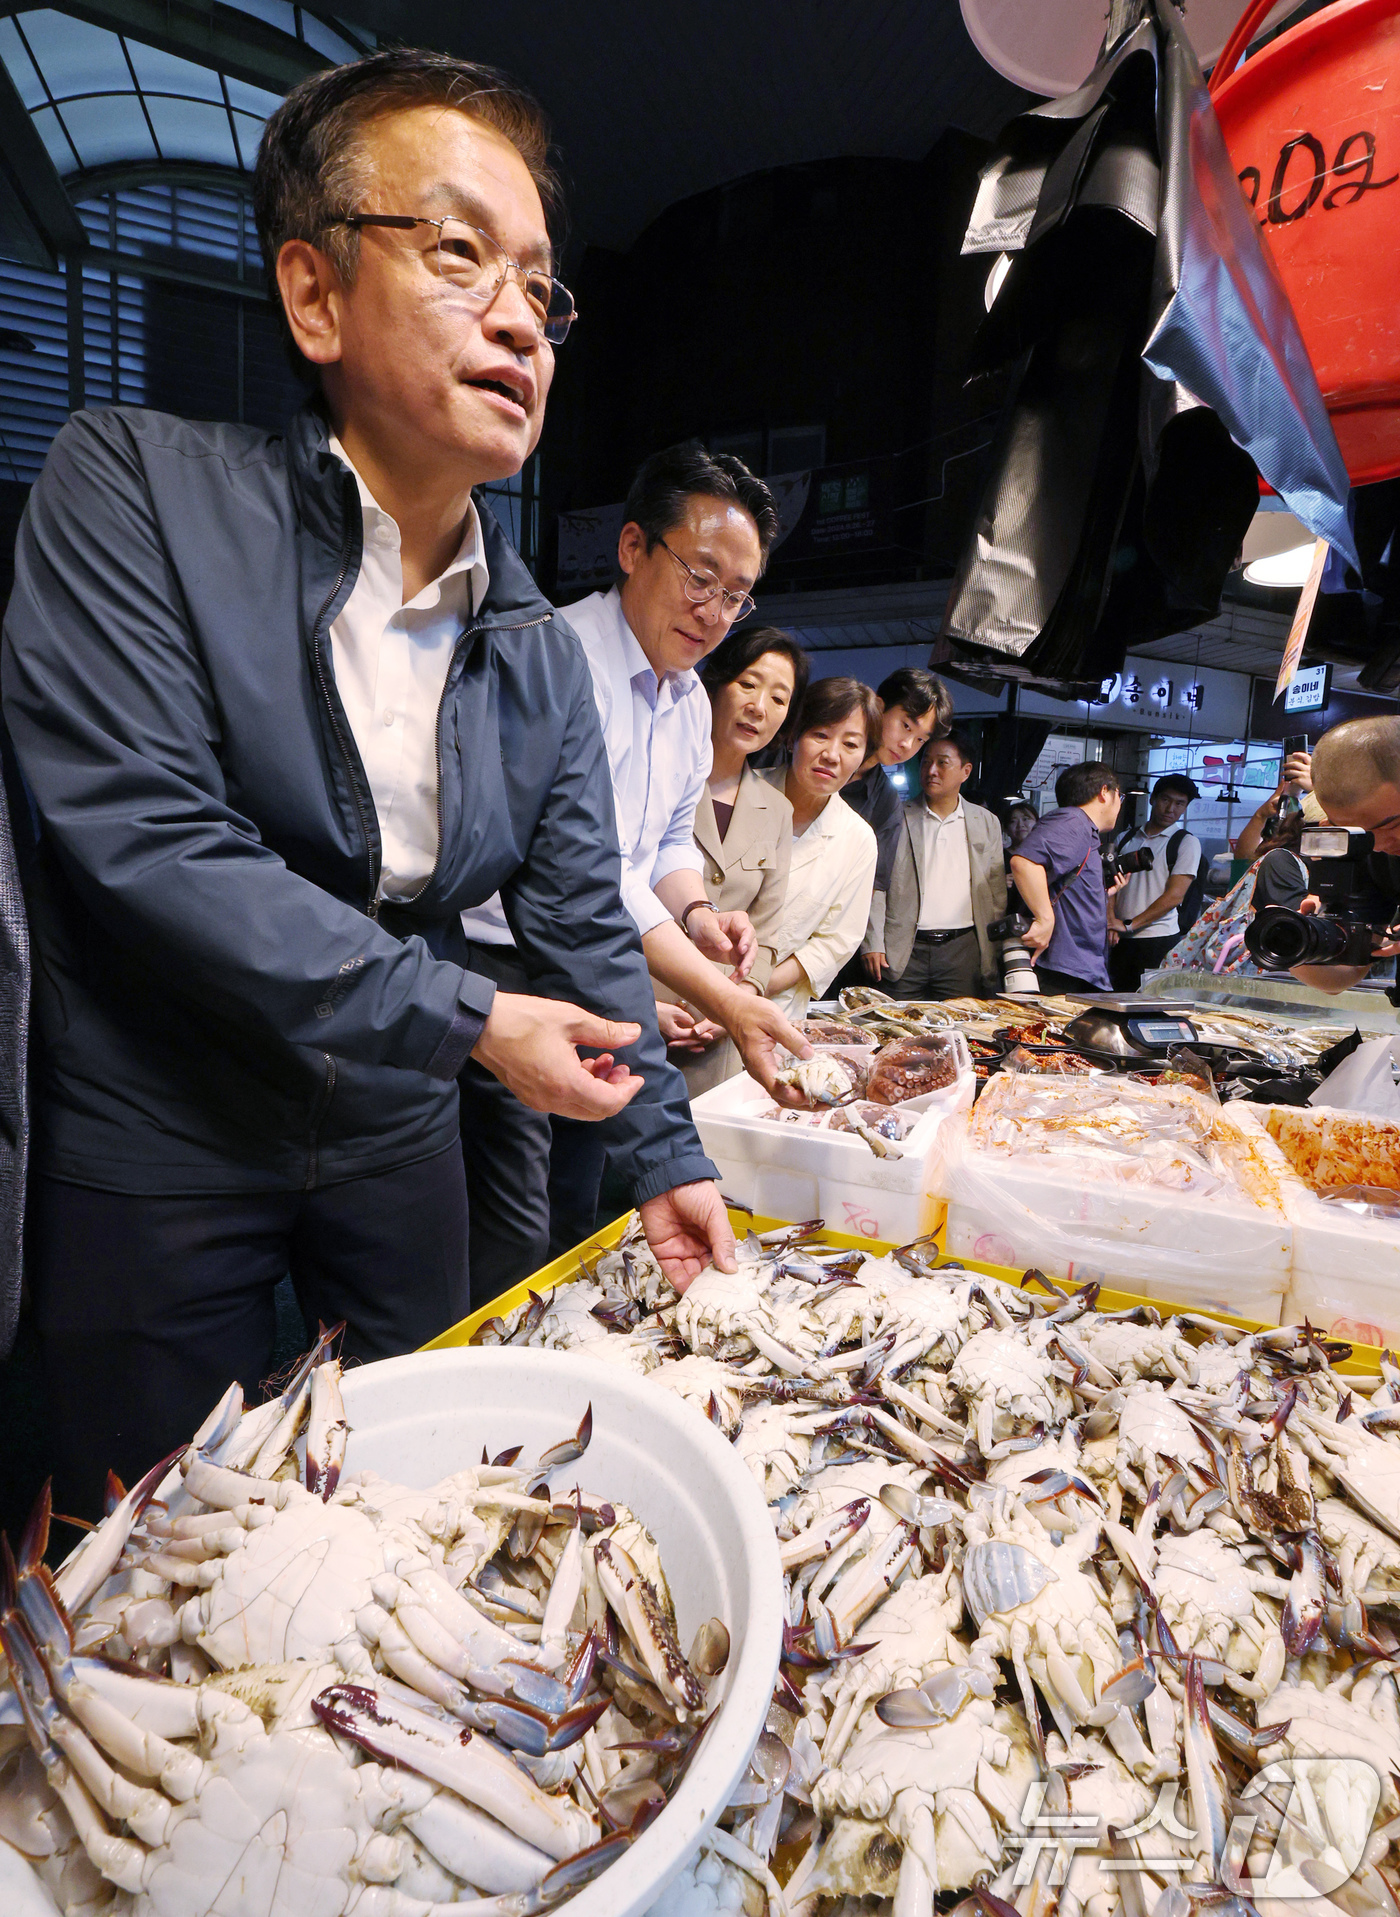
{"x":1345,"y":1274}
{"x":1212,"y":1253}
{"x":788,"y":1171}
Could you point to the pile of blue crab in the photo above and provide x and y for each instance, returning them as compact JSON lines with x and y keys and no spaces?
{"x":264,"y":1687}
{"x":1087,"y":1611}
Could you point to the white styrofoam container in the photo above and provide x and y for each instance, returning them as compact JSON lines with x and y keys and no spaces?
{"x":1345,"y":1272}
{"x":787,"y":1171}
{"x":1212,"y":1253}
{"x":415,"y":1419}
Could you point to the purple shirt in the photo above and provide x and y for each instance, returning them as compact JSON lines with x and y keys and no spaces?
{"x":1062,"y":842}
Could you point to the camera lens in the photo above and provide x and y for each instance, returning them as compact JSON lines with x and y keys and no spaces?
{"x":1281,"y":939}
{"x":1018,"y":974}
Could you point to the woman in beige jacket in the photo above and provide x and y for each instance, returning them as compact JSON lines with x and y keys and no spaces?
{"x":743,"y":826}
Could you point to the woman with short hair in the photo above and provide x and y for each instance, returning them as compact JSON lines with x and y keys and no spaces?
{"x":743,"y":828}
{"x":832,"y":873}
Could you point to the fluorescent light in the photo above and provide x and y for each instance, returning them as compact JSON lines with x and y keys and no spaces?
{"x":1282,"y":570}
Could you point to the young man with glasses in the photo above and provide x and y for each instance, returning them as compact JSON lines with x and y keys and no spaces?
{"x":696,"y":534}
{"x":284,"y":706}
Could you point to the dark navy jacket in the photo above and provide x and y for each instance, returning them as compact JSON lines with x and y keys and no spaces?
{"x":217,"y":1007}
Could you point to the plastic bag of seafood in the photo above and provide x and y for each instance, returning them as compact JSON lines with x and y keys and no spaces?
{"x":868,"y":1189}
{"x":1339,"y":1192}
{"x":1153,"y":1189}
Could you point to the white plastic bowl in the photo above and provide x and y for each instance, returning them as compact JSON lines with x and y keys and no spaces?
{"x":415,"y":1419}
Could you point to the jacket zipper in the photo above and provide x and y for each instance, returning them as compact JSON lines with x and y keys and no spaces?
{"x":318,"y":1113}
{"x":323,"y":1098}
{"x":372,"y":905}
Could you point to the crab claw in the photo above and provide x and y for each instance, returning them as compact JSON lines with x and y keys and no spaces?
{"x":914,"y":1508}
{"x":1132,"y":1686}
{"x":623,"y":1804}
{"x":88,"y":1569}
{"x":570,"y":1448}
{"x":1302,"y":1614}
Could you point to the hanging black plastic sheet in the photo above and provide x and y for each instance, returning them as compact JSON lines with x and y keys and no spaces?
{"x":1158,"y":365}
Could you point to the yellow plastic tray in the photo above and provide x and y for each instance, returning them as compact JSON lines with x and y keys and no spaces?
{"x":562,"y":1271}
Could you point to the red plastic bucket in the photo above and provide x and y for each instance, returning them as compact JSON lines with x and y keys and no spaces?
{"x":1313,"y":127}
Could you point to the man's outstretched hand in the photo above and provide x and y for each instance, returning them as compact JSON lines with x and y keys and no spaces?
{"x":531,"y":1045}
{"x":687,"y":1229}
{"x":759,"y":1030}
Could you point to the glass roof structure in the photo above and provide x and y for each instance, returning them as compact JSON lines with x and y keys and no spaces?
{"x":99,"y":98}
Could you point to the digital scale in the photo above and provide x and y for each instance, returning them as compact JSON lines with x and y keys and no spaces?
{"x":1130,"y":1025}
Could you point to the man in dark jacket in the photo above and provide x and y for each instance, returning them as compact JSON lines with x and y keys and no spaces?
{"x":284,"y":707}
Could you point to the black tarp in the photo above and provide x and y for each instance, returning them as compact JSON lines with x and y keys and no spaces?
{"x":1158,"y":370}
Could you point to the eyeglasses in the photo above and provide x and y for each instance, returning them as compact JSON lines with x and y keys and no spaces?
{"x":476,"y":266}
{"x":702,"y":589}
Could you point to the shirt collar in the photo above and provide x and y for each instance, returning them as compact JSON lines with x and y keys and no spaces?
{"x":676,"y":685}
{"x":471,"y":554}
{"x":956,"y":813}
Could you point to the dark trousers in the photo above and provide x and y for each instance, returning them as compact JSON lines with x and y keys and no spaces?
{"x":941,"y":968}
{"x":576,"y":1164}
{"x":1130,"y":958}
{"x":505,"y":1151}
{"x":1053,"y":981}
{"x":148,"y":1308}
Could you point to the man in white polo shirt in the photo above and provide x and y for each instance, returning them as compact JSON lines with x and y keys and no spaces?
{"x":697,"y":531}
{"x":1144,"y":918}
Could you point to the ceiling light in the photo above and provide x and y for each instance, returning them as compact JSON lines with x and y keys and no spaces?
{"x":998,"y":273}
{"x":1285,"y":571}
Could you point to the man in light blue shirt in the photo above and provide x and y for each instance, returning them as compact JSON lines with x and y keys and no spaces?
{"x":697,"y":534}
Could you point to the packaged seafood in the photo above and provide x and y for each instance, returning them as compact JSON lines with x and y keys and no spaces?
{"x":1344,"y":1267}
{"x":1328,"y":1148}
{"x":1158,"y":1189}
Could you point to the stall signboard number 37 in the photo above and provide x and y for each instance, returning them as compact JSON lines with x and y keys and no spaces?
{"x":1304,"y":157}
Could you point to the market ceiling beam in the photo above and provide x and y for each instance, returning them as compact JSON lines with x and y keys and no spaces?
{"x":37,"y":220}
{"x":234,"y":42}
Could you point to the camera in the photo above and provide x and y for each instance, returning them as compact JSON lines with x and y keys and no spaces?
{"x":1118,"y":865}
{"x":1339,"y":934}
{"x":1017,"y":971}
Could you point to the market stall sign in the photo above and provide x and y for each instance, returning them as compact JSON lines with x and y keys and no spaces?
{"x":1308,"y":690}
{"x":1128,"y":689}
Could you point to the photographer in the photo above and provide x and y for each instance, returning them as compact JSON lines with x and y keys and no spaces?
{"x":1058,"y":871}
{"x":1355,"y":773}
{"x":1145,"y":923}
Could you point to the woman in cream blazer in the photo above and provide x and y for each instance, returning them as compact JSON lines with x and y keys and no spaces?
{"x":743,"y":825}
{"x":832,"y":868}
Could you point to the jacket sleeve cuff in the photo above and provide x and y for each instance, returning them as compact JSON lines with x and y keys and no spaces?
{"x":676,"y":1171}
{"x":475,"y":996}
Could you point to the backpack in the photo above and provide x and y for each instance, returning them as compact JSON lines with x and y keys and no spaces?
{"x":1189,"y":908}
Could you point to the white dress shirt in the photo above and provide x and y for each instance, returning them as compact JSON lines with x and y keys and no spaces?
{"x":658,"y":744}
{"x":945,"y":897}
{"x":390,"y":662}
{"x":827,"y":905}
